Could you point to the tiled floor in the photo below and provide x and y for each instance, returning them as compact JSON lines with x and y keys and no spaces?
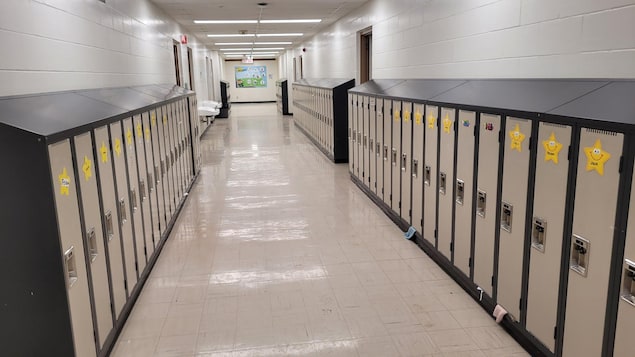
{"x":277,"y":253}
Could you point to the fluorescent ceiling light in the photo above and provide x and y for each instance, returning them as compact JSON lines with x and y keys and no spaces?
{"x":232,"y":35}
{"x":233,"y":43}
{"x":279,"y":34}
{"x":249,"y":53}
{"x":272,"y":43}
{"x":298,"y":21}
{"x":253,"y":48}
{"x":254,"y":56}
{"x":225,"y":21}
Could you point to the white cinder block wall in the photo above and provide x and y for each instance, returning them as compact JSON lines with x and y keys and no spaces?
{"x":55,"y":45}
{"x":480,"y":39}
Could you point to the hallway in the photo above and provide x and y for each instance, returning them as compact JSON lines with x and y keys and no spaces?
{"x":278,"y":253}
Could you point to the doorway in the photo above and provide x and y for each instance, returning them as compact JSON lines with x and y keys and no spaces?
{"x":190,"y":67}
{"x":366,"y":55}
{"x":177,"y":62}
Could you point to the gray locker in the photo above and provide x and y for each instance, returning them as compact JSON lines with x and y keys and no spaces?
{"x":552,"y":170}
{"x":110,"y":219}
{"x":626,"y":309}
{"x":387,"y":151}
{"x":365,"y":140}
{"x":187,"y":151}
{"x":156,"y":170}
{"x":124,"y":208}
{"x":351,"y":136}
{"x":380,"y":158}
{"x":372,"y":137}
{"x":148,"y":172}
{"x":429,"y":171}
{"x":355,"y":138}
{"x":417,"y":167}
{"x":72,"y":243}
{"x":166,"y":173}
{"x":143,"y":186}
{"x":447,"y":140}
{"x":486,"y":201}
{"x":93,"y":235}
{"x":591,"y":242}
{"x":464,"y":190}
{"x":395,"y":159}
{"x":174,"y":154}
{"x":360,"y":137}
{"x":512,"y":217}
{"x":405,"y":163}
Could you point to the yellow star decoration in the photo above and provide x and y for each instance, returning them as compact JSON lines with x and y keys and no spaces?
{"x":596,"y":157}
{"x":418,"y":118}
{"x":431,"y":120}
{"x":139,"y":131}
{"x":104,"y":152}
{"x":153,"y":117}
{"x":87,"y":168}
{"x":447,"y":123}
{"x":552,"y":149}
{"x":65,"y":183}
{"x":118,"y":147}
{"x":406,"y":116}
{"x":147,"y":134}
{"x":517,"y":138}
{"x":165,"y":119}
{"x":129,"y":136}
{"x":397,"y":114}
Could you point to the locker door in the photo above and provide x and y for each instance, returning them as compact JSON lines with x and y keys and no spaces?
{"x":187,"y":143}
{"x":93,"y":235}
{"x":143,"y":185}
{"x":156,"y":170}
{"x":360,"y":139}
{"x":174,"y":154}
{"x":464,"y":189}
{"x":379,"y":147}
{"x":109,"y":218}
{"x":351,"y":136}
{"x":365,"y":140}
{"x":626,"y":309}
{"x":592,"y":241}
{"x":331,"y":133}
{"x":447,"y":140}
{"x":552,"y":170}
{"x":372,"y":161}
{"x":178,"y":142}
{"x":66,"y":204}
{"x":387,"y":151}
{"x":124,"y":210}
{"x":430,"y":174}
{"x":148,"y":173}
{"x":355,"y":137}
{"x":135,"y":195}
{"x":395,"y":156}
{"x":417,"y":167}
{"x":486,"y":200}
{"x":166,"y":178}
{"x":406,"y":162}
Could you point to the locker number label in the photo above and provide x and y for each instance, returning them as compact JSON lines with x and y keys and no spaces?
{"x":65,"y":183}
{"x":118,"y":147}
{"x":552,"y":148}
{"x":87,"y":167}
{"x":517,"y":139}
{"x":104,"y":152}
{"x":418,"y":118}
{"x":596,"y":158}
{"x":431,"y":121}
{"x":447,"y":124}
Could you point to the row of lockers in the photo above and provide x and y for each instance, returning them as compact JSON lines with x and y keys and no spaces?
{"x":116,"y":186}
{"x":320,"y":111}
{"x":282,"y":97}
{"x":522,"y":206}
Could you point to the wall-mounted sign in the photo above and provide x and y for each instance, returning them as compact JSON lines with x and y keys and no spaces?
{"x":251,"y":76}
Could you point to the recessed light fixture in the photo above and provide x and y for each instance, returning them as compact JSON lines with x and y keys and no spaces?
{"x":225,"y":21}
{"x":233,"y":35}
{"x":250,"y":43}
{"x":290,"y":21}
{"x":253,"y":48}
{"x":272,"y":43}
{"x":279,"y":34}
{"x":249,"y":53}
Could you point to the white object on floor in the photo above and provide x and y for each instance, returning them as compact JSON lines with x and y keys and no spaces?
{"x":208,"y":111}
{"x":499,"y":313}
{"x":210,"y":103}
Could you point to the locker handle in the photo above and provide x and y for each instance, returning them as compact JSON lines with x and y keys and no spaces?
{"x":365,"y":141}
{"x":415,"y":168}
{"x":91,"y":243}
{"x":133,"y":198}
{"x":394,"y":157}
{"x":354,"y":135}
{"x":579,"y":261}
{"x":460,"y":191}
{"x":442,"y":182}
{"x":427,"y":175}
{"x":371,"y":145}
{"x":150,"y":182}
{"x":481,"y":203}
{"x":110,"y":231}
{"x":122,"y":212}
{"x":404,"y":161}
{"x":628,"y":282}
{"x":157,"y":175}
{"x":70,"y":267}
{"x":142,"y":189}
{"x":507,"y":213}
{"x":539,"y":234}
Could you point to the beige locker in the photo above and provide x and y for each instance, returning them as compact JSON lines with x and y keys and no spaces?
{"x":355,"y":138}
{"x":365,"y":140}
{"x":93,"y":235}
{"x":395,"y":159}
{"x":360,"y":140}
{"x":513,"y":213}
{"x":552,"y":170}
{"x":351,"y":136}
{"x":464,"y":189}
{"x":110,"y":219}
{"x":592,"y":241}
{"x":417,"y":166}
{"x":331,"y":130}
{"x":144,"y":198}
{"x":124,"y":209}
{"x":372,"y":158}
{"x":626,"y":309}
{"x":174,"y":156}
{"x":166,"y":172}
{"x":486,"y":201}
{"x":148,"y":172}
{"x":379,"y":147}
{"x":72,"y":243}
{"x":430,"y":174}
{"x":187,"y":144}
{"x":387,"y":152}
{"x":405,"y":162}
{"x":156,"y":170}
{"x":447,"y":139}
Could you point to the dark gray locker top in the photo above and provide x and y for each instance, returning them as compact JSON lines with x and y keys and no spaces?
{"x":325,"y":83}
{"x":615,"y":102}
{"x":422,"y":89}
{"x":162,"y":93}
{"x":125,"y":98}
{"x":376,"y":86}
{"x":48,"y":114}
{"x":527,"y":95}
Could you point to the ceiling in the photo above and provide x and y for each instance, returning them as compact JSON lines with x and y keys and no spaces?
{"x":186,"y":11}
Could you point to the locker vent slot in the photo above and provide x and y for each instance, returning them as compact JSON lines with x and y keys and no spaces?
{"x":579,"y":261}
{"x":460,"y":191}
{"x":91,"y":242}
{"x":122,"y":211}
{"x":70,"y":267}
{"x":628,"y":283}
{"x":481,"y":203}
{"x":554,"y":125}
{"x":110,"y":232}
{"x":539,"y":234}
{"x":507,"y":213}
{"x":599,"y":131}
{"x":442,"y":182}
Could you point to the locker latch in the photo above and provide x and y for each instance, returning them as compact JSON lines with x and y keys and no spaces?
{"x":133,"y":199}
{"x":507,"y":212}
{"x":539,"y":234}
{"x":481,"y":203}
{"x":394,"y":157}
{"x":70,"y":267}
{"x":110,"y":232}
{"x":442,"y":182}
{"x":404,"y":161}
{"x":123,"y":215}
{"x":460,"y":191}
{"x":415,"y":168}
{"x":371,"y":145}
{"x":365,"y":141}
{"x":628,"y":283}
{"x":378,"y":150}
{"x":579,"y":261}
{"x":385,"y":152}
{"x":142,"y":189}
{"x":91,"y":243}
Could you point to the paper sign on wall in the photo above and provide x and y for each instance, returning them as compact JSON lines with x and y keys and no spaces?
{"x":596,"y":157}
{"x":552,"y":148}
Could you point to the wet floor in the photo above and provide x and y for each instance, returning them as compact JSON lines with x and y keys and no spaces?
{"x":278,"y":253}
